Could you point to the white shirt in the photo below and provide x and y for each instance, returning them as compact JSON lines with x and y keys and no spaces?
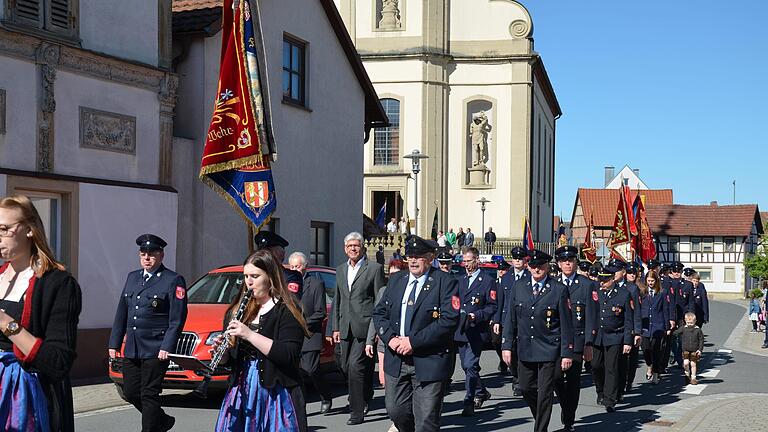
{"x":352,"y":271}
{"x":391,"y":227}
{"x":473,"y":276}
{"x":21,"y":285}
{"x":404,"y":301}
{"x":572,"y":278}
{"x":441,"y":241}
{"x":519,"y":274}
{"x":541,"y":283}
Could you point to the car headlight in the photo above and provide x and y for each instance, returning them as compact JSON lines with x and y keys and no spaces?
{"x":211,"y":337}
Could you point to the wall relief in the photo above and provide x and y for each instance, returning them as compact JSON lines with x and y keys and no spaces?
{"x":104,"y":130}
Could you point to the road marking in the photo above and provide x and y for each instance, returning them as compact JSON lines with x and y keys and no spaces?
{"x":710,"y":373}
{"x":102,"y":411}
{"x":726,"y":351}
{"x":694,"y":389}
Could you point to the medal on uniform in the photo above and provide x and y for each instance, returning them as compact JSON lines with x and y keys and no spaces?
{"x":548,"y":323}
{"x":154,"y":303}
{"x":549,"y":314}
{"x":435,"y":314}
{"x":410,"y":302}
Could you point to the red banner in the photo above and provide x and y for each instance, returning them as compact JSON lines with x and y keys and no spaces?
{"x":644,"y":244}
{"x":588,"y":247}
{"x":620,"y":242}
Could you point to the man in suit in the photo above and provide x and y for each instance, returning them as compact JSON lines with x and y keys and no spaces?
{"x":505,"y":293}
{"x":416,"y":319}
{"x":477,"y":293}
{"x":150,"y":314}
{"x":313,"y":307}
{"x":358,"y":282}
{"x":469,"y":238}
{"x":539,"y":325}
{"x":580,"y":290}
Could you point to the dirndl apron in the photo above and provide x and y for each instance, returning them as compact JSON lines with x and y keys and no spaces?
{"x":23,"y":406}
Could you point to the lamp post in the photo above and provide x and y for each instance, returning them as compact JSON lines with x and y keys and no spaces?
{"x":416,"y":158}
{"x":482,"y":202}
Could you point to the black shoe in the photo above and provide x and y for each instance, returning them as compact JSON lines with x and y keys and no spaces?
{"x":325,"y":406}
{"x":479,"y":400}
{"x":365,"y":409}
{"x":569,"y":428}
{"x":610,"y":408}
{"x":517,"y":391}
{"x":628,"y":388}
{"x":355,"y":421}
{"x":169,"y":422}
{"x":514,"y":380}
{"x":469,"y":410}
{"x":764,"y":346}
{"x":600,"y":399}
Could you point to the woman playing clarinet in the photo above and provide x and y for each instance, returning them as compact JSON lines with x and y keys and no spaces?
{"x":39,"y":308}
{"x":265,"y":392}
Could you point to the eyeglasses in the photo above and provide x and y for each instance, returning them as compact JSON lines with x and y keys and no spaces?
{"x":6,"y":231}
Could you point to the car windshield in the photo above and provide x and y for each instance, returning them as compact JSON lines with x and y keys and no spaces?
{"x":215,"y":288}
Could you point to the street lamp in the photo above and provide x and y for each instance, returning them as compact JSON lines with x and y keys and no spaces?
{"x":482,"y":202}
{"x":416,"y":158}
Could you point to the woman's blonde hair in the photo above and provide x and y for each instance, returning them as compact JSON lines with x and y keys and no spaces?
{"x":42,"y":259}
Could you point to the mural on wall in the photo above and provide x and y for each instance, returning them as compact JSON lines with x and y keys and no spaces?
{"x":479,"y":142}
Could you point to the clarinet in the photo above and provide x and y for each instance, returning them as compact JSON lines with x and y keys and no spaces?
{"x":202,"y":390}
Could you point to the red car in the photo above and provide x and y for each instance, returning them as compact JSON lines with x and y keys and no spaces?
{"x":208,"y":299}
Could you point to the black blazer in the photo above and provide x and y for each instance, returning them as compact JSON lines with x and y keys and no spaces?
{"x":580,"y":293}
{"x":435,"y":317}
{"x":51,"y":313}
{"x":281,"y":365}
{"x":313,"y":308}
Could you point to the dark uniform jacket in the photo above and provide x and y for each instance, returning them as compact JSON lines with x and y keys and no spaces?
{"x":313,"y":309}
{"x":352,"y":306}
{"x":435,"y":318}
{"x":540,"y":328}
{"x":150,"y":316}
{"x":580,"y":294}
{"x":478,"y":299}
{"x":654,"y":311}
{"x":634,"y":309}
{"x":611,"y":323}
{"x":699,"y":303}
{"x":505,"y":291}
{"x":686,"y":292}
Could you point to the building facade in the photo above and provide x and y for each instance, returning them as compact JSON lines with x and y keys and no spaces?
{"x":462,"y":84}
{"x":713,"y":240}
{"x":322,"y":106}
{"x":85,"y":131}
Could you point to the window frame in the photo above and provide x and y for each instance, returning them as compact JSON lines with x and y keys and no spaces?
{"x":388,"y":132}
{"x":673,"y":240}
{"x":704,"y":270}
{"x":725,"y":274}
{"x":707,"y":244}
{"x":696,"y":244}
{"x":301,"y":72}
{"x":732,"y":241}
{"x":314,"y":246}
{"x":43,"y":26}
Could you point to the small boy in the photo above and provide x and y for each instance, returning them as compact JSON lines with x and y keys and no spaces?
{"x":693,"y":343}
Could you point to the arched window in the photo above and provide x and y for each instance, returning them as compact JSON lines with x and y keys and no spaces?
{"x":386,"y":141}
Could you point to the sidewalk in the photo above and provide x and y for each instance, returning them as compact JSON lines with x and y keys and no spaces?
{"x":97,"y":397}
{"x":715,"y":413}
{"x":741,"y":339}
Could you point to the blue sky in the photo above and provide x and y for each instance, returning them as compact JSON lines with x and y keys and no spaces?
{"x":678,"y":89}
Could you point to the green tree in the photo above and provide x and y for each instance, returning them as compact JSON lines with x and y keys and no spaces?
{"x":757,"y":263}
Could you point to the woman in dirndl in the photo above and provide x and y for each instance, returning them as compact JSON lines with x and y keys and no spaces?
{"x":39,"y":308}
{"x":265,"y":392}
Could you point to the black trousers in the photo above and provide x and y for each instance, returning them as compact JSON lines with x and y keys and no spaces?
{"x":310,"y":366}
{"x":568,"y":389}
{"x":142,"y":384}
{"x":411,"y":404}
{"x":605,"y":371}
{"x":628,"y":369}
{"x":537,"y":382}
{"x":653,"y":353}
{"x":358,"y":368}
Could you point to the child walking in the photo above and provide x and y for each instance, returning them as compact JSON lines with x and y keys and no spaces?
{"x":693,"y":343}
{"x":754,"y":311}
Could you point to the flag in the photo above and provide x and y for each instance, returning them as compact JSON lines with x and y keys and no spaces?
{"x":381,"y":218}
{"x":620,"y":241}
{"x":644,"y":245}
{"x":239,"y":145}
{"x":561,"y":239}
{"x":588,"y":249}
{"x":630,"y":215}
{"x":434,"y":226}
{"x":527,"y":236}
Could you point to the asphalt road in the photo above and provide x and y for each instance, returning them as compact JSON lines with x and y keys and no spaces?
{"x":722,"y":371}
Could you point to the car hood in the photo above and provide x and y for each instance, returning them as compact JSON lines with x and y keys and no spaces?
{"x":205,"y":318}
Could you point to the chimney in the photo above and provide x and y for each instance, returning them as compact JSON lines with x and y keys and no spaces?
{"x":713,"y":203}
{"x":636,"y":171}
{"x":608,"y":174}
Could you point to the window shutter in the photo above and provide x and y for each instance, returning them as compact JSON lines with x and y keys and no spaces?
{"x":28,"y":11}
{"x":60,"y":17}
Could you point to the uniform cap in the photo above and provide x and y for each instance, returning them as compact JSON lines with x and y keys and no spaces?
{"x":538,"y":257}
{"x":632,"y":268}
{"x":664,"y":267}
{"x":617,"y":264}
{"x":688,"y":271}
{"x":519,"y":253}
{"x":444,"y":256}
{"x":653,"y":263}
{"x":584,"y":265}
{"x":503,"y":265}
{"x":606,"y":272}
{"x":417,"y":246}
{"x":677,"y":266}
{"x":265,"y":239}
{"x":566,"y":252}
{"x":150,"y":243}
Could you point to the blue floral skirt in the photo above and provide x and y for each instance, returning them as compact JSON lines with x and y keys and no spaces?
{"x":249,"y":407}
{"x":23,"y":406}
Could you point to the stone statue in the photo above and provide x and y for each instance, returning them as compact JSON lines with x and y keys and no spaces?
{"x":479,"y":129}
{"x":390,"y":15}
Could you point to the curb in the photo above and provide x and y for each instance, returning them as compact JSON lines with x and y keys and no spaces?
{"x":742,"y":340}
{"x":688,"y":414}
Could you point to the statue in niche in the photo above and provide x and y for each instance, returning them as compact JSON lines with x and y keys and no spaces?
{"x":479,"y":129}
{"x":390,"y":15}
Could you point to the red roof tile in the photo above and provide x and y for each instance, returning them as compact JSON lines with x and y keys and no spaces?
{"x":602,"y":203}
{"x":703,"y":220}
{"x":189,"y":5}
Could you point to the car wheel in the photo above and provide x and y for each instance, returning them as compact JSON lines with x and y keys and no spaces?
{"x":120,"y":391}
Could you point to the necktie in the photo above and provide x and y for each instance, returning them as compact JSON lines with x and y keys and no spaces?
{"x":409,"y":308}
{"x":146,"y":278}
{"x":536,"y":288}
{"x":567,"y":282}
{"x":517,"y":277}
